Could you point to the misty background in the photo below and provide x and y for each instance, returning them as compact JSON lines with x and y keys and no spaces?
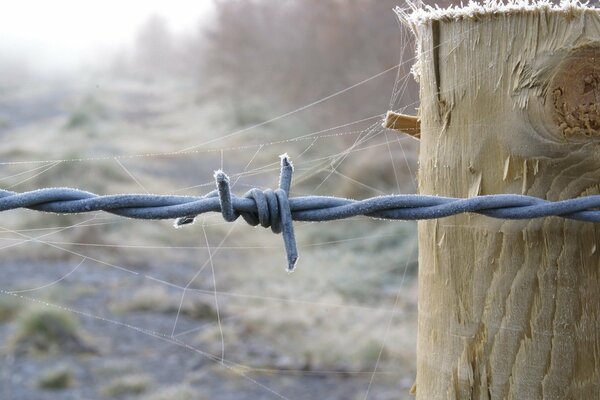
{"x":118,"y":97}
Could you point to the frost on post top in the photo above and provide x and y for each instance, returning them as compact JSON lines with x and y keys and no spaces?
{"x":416,"y":13}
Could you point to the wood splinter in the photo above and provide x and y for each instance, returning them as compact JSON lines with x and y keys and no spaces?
{"x":408,"y":124}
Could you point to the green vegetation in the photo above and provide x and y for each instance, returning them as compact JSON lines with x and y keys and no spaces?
{"x":157,"y":299}
{"x":43,"y":330}
{"x":148,"y":299}
{"x":128,"y":385}
{"x":200,"y":310}
{"x":9,"y":307}
{"x":178,"y":392}
{"x":86,"y":114}
{"x":60,"y":377}
{"x":4,"y":123}
{"x":123,"y":133}
{"x":372,"y":351}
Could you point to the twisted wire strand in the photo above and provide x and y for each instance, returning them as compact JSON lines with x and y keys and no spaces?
{"x":274,"y":208}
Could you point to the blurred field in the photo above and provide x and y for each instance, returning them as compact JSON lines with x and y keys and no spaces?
{"x":95,"y":306}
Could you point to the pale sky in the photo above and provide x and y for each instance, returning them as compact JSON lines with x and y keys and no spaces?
{"x":65,"y":33}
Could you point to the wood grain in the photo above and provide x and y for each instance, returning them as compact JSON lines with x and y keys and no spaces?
{"x":407,"y":124}
{"x":509,"y":309}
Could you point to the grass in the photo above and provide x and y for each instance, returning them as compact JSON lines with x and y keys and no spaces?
{"x":199,"y":311}
{"x":178,"y":392}
{"x":44,"y":330}
{"x":287,"y":334}
{"x":56,"y":378}
{"x":3,"y":122}
{"x":316,"y":337}
{"x":9,"y":307}
{"x":372,"y":351}
{"x":158,"y":300}
{"x":149,"y":299}
{"x":128,"y":385}
{"x":86,"y":114}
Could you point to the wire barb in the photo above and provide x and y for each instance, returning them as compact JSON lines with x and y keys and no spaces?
{"x":272,"y":208}
{"x":289,"y":238}
{"x":275,"y":209}
{"x":224,"y":191}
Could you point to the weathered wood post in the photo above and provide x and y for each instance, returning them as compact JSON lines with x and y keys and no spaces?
{"x":510,"y":103}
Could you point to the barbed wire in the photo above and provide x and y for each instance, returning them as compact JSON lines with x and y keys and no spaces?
{"x":275,"y":209}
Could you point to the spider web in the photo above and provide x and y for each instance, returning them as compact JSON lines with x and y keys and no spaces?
{"x":212,"y":303}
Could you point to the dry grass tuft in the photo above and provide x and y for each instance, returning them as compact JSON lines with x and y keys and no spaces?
{"x":9,"y":308}
{"x":128,"y":385}
{"x":178,"y":392}
{"x":44,"y":330}
{"x":158,"y":300}
{"x":56,"y":378}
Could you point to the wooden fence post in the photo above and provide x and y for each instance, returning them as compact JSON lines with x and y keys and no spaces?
{"x":510,"y":103}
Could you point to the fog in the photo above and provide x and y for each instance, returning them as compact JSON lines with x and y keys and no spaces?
{"x":66,"y":34}
{"x":153,"y":96}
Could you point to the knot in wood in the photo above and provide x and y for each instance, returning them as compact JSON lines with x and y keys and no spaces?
{"x":574,"y":92}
